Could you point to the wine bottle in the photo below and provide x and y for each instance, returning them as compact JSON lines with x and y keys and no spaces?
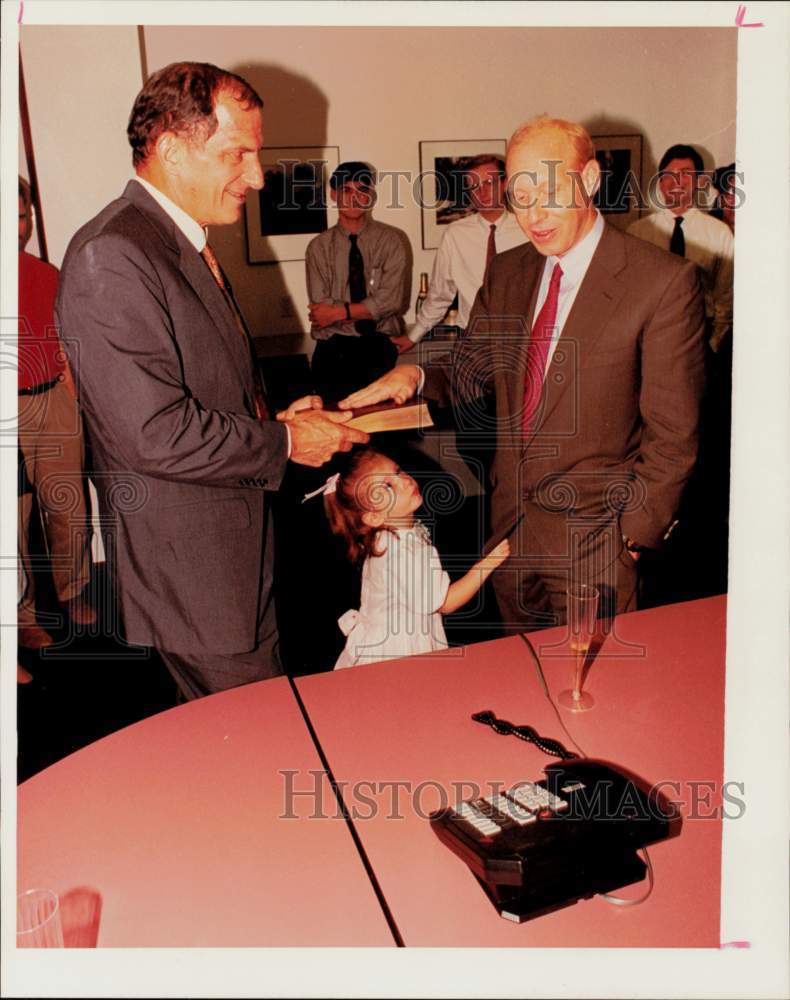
{"x":423,"y":293}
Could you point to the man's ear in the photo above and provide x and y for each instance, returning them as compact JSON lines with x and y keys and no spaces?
{"x":373,"y":518}
{"x":591,"y":176}
{"x":168,"y":150}
{"x":333,"y":195}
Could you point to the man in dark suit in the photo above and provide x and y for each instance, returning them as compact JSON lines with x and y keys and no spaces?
{"x":593,"y":344}
{"x":184,"y":448}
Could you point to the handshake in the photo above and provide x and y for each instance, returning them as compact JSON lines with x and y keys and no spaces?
{"x":317,"y":434}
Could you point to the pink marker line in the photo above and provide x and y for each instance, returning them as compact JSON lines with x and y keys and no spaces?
{"x":739,"y":19}
{"x":735,"y":944}
{"x":21,"y":11}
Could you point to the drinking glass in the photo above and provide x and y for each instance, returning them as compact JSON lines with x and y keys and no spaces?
{"x":38,"y":919}
{"x":582,"y":615}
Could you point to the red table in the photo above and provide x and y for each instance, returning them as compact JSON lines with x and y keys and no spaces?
{"x":174,"y":824}
{"x":659,"y":687}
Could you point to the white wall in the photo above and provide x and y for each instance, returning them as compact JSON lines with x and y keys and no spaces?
{"x":80,"y":84}
{"x":375,"y":93}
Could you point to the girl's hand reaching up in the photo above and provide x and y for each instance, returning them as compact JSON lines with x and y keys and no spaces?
{"x":495,"y":557}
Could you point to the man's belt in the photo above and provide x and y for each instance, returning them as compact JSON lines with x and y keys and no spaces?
{"x":35,"y":390}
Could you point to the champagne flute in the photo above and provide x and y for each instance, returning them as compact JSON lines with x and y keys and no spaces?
{"x":582,"y":615}
{"x":38,"y":922}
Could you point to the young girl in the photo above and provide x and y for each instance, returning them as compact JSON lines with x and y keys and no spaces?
{"x":405,"y":591}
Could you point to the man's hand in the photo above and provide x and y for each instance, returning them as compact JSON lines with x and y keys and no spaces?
{"x":631,"y":548}
{"x":399,"y":384}
{"x":325,"y":314}
{"x":298,"y":405}
{"x":316,"y":436}
{"x":402,"y":343}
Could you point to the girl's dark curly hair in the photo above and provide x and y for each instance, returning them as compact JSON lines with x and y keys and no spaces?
{"x":358,"y":490}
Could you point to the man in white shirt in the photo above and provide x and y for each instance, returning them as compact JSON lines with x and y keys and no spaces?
{"x":468,"y":244}
{"x":682,"y":228}
{"x":462,"y":261}
{"x":186,"y":453}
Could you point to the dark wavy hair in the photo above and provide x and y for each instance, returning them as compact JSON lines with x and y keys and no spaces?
{"x":352,"y":171}
{"x":681,"y":151}
{"x":473,"y":162}
{"x":181,"y":98}
{"x":357,"y":492}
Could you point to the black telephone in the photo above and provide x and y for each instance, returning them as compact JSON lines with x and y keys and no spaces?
{"x":540,"y":846}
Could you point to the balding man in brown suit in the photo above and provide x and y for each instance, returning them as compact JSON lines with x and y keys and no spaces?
{"x":592,"y":342}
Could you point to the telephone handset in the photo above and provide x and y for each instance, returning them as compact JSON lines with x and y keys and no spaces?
{"x":543,"y":845}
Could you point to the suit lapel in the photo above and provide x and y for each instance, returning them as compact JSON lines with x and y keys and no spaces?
{"x":197,"y":274}
{"x":194,"y":269}
{"x":595,"y":304}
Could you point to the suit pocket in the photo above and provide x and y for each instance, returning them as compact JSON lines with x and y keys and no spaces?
{"x":207,"y":518}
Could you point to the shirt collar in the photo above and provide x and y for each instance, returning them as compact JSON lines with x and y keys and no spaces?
{"x":688,"y":214}
{"x":499,"y":222}
{"x":360,"y":231}
{"x":575,"y":262}
{"x":193,"y":231}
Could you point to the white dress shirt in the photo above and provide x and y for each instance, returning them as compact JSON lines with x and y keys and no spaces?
{"x":460,"y":267}
{"x":193,"y":231}
{"x":574,"y":266}
{"x":710,"y":245}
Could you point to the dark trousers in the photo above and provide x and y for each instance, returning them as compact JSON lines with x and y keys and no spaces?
{"x":197,"y":676}
{"x":341,"y":364}
{"x":198,"y":673}
{"x":551,"y":551}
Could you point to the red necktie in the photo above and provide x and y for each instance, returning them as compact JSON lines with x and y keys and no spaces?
{"x":490,"y":250}
{"x":538,"y":350}
{"x":208,"y":255}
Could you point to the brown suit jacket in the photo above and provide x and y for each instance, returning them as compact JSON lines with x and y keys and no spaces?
{"x":616,"y":432}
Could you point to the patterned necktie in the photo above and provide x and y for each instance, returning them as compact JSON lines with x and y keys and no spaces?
{"x":208,"y":255}
{"x":490,"y":249}
{"x":538,"y":350}
{"x":357,"y":285}
{"x":678,"y":242}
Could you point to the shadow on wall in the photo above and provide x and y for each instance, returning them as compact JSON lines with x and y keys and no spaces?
{"x":294,"y":114}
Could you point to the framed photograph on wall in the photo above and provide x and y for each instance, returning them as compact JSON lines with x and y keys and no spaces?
{"x":620,"y":158}
{"x":443,"y":197}
{"x":293,"y":205}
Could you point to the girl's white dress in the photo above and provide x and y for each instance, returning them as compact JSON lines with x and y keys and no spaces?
{"x":402,"y":591}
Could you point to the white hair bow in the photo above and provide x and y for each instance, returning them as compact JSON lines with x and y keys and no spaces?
{"x":330,"y":486}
